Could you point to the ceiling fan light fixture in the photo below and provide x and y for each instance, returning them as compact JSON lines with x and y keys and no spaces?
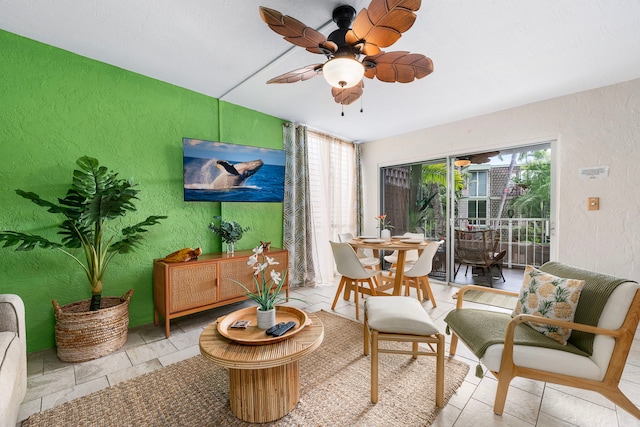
{"x":343,"y":72}
{"x":462,"y":162}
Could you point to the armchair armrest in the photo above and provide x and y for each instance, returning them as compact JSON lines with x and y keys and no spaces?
{"x":12,"y":315}
{"x":557,"y":322}
{"x":482,"y":289}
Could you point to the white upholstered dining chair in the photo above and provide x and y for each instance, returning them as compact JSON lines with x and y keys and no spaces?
{"x":365,"y":260}
{"x":417,"y":275}
{"x":410,"y":257}
{"x":354,"y":275}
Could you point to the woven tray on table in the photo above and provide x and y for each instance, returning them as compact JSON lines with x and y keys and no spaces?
{"x":83,"y":335}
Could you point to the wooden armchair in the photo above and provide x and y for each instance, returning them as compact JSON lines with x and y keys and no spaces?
{"x":606,"y":319}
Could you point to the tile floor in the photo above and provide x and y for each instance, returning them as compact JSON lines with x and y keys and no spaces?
{"x":529,"y":403}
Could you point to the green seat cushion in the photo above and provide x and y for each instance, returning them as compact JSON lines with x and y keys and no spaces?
{"x":480,"y":329}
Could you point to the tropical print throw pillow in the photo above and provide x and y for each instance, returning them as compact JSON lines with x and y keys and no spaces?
{"x":545,"y":295}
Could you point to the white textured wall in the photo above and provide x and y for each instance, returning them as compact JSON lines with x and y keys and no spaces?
{"x":600,"y":127}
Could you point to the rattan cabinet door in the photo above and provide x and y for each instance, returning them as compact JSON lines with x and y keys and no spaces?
{"x":236,"y":269}
{"x":193,"y":286}
{"x":232,"y":270}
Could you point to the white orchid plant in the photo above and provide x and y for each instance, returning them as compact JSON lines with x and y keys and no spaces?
{"x":267,"y":293}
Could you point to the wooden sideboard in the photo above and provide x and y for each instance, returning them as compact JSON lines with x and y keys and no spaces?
{"x":183,"y":288}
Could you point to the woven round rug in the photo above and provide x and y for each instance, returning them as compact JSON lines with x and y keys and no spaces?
{"x":335,"y":391}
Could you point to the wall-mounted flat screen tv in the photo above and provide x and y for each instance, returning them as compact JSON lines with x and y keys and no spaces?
{"x":222,"y":172}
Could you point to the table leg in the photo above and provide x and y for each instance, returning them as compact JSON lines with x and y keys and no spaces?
{"x":264,"y":395}
{"x":397,"y":284}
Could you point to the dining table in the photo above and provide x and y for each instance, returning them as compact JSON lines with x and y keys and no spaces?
{"x":402,"y":244}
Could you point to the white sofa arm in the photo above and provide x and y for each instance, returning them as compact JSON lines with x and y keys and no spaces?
{"x":13,"y":363}
{"x":12,"y":316}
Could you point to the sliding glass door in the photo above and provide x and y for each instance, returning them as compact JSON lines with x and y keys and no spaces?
{"x":508,"y":191}
{"x":414,"y":198}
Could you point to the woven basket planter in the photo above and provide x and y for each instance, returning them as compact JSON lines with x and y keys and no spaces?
{"x":83,"y":335}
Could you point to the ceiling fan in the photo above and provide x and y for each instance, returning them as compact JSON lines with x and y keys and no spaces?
{"x":379,"y":26}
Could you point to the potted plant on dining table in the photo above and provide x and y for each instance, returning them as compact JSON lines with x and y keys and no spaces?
{"x":385,"y":227}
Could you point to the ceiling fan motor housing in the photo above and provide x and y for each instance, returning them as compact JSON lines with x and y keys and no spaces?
{"x":343,"y":16}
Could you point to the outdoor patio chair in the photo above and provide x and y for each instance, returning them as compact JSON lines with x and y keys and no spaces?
{"x":602,"y":329}
{"x":478,"y":248}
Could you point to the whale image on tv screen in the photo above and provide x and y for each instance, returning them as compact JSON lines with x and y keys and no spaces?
{"x":222,"y":172}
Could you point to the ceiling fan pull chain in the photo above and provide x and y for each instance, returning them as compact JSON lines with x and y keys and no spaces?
{"x":342,"y":100}
{"x":361,"y":110}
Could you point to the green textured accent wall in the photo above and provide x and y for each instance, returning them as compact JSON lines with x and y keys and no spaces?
{"x":55,"y":107}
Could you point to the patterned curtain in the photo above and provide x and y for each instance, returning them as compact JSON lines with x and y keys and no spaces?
{"x":358,"y":190}
{"x":297,"y":210}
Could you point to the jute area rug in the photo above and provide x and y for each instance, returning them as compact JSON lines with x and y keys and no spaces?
{"x":335,"y":381}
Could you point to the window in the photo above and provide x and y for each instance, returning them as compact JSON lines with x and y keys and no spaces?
{"x":332,"y":178}
{"x":477,"y":209}
{"x":478,"y":184}
{"x":478,"y":189}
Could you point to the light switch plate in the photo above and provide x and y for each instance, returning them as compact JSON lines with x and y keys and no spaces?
{"x":593,"y":203}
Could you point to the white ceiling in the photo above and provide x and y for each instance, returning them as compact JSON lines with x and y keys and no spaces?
{"x":488,"y":55}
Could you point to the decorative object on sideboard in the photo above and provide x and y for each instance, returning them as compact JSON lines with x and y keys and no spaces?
{"x":229,"y":231}
{"x":183,"y":255}
{"x":95,"y":197}
{"x":265,"y":246}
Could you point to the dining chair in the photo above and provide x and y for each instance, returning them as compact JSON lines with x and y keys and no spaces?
{"x":354,"y":275}
{"x":411,"y":255}
{"x":417,"y":275}
{"x":366,"y":261}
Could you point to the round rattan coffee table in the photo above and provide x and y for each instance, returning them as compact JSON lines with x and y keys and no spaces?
{"x":264,"y":380}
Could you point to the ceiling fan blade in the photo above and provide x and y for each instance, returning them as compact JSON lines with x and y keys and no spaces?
{"x":296,"y":32}
{"x":382,"y":24}
{"x":402,"y":67}
{"x":349,"y":95}
{"x":298,"y":75}
{"x":481,"y":158}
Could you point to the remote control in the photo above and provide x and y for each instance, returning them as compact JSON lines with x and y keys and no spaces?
{"x":283,"y":329}
{"x":272,"y":329}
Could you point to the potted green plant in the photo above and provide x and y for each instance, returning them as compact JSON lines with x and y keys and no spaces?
{"x":267,"y":292}
{"x":229,"y":231}
{"x":96,"y":196}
